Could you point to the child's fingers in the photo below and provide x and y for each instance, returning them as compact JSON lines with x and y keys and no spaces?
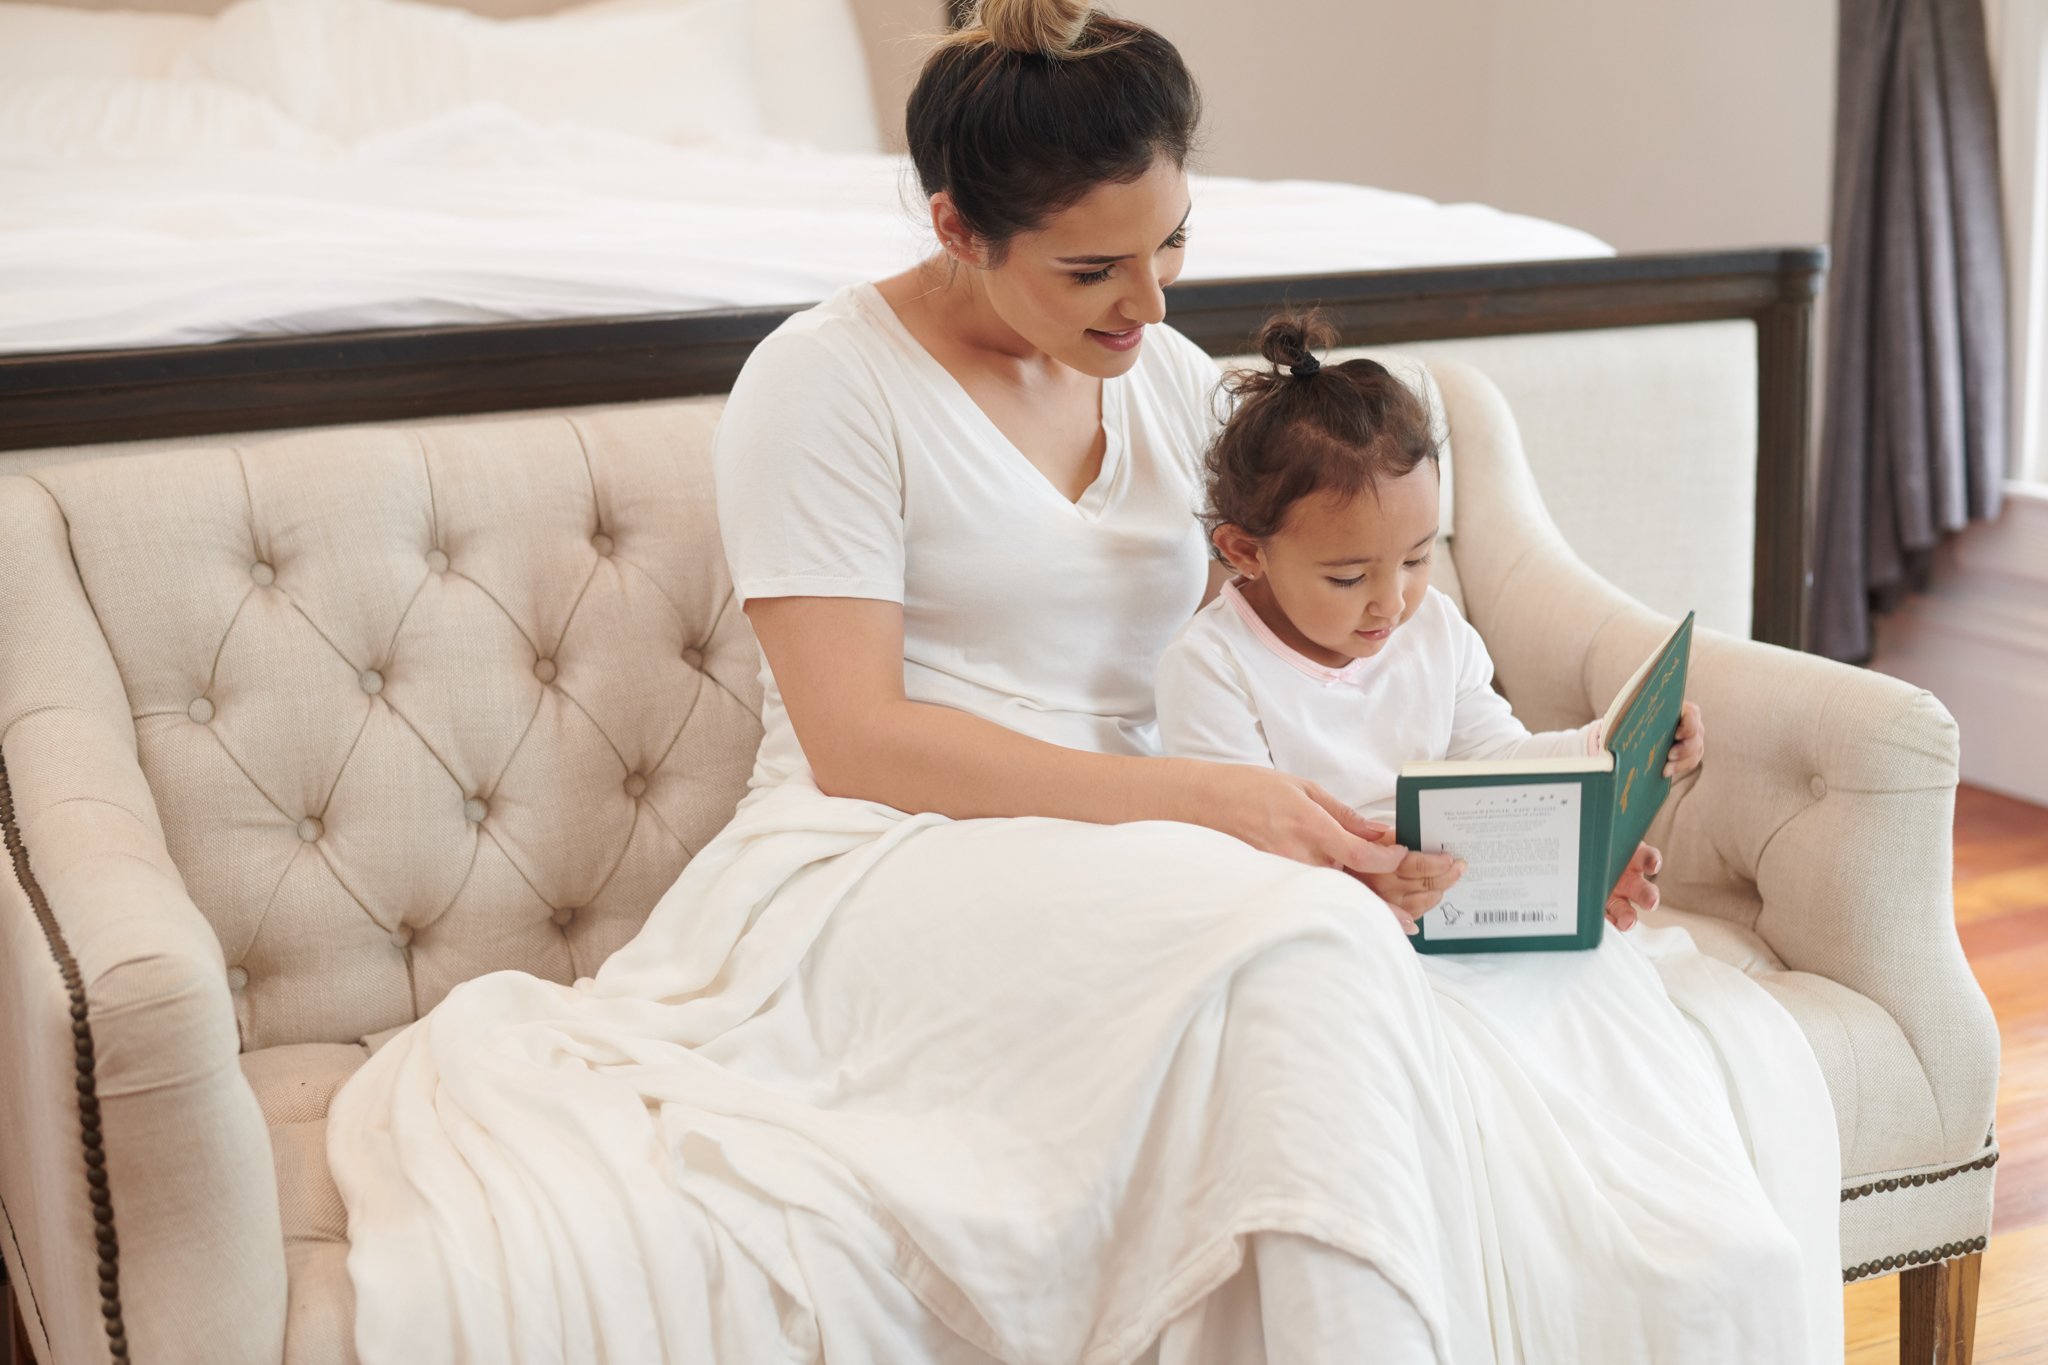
{"x":1635,"y":891}
{"x":1363,"y":855}
{"x":1684,"y":757}
{"x":1440,"y":869}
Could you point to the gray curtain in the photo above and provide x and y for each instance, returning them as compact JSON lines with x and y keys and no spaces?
{"x":1913,"y":443}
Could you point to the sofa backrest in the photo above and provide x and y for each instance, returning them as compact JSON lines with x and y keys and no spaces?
{"x":418,"y":704}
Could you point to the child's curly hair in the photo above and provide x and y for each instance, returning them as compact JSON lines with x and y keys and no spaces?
{"x":1312,"y":429}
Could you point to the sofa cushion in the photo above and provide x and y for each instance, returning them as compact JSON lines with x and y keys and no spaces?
{"x":293,"y":1084}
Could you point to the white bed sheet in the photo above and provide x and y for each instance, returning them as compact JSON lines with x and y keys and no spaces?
{"x":481,"y":215}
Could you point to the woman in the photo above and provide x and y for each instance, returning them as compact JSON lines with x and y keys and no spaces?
{"x":982,"y":1033}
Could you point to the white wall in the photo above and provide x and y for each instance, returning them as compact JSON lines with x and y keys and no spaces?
{"x":2018,"y":34}
{"x":896,"y":33}
{"x":1979,"y":641}
{"x":1655,"y":124}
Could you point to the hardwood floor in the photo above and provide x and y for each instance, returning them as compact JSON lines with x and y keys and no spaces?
{"x":2002,"y":915}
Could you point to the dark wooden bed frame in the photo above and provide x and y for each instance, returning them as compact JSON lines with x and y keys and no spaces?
{"x":87,"y":397}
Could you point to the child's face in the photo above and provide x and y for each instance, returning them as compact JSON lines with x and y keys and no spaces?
{"x":1341,"y":575}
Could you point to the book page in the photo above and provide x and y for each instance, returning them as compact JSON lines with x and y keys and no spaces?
{"x":1521,"y":850}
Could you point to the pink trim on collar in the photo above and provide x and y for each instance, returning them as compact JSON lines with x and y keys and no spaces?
{"x":1263,"y":633}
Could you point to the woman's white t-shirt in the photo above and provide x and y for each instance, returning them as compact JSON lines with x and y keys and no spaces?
{"x":1231,"y":691}
{"x":850,"y":463}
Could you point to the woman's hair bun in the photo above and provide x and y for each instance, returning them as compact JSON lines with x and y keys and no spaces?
{"x":1051,"y":28}
{"x":1293,"y":337}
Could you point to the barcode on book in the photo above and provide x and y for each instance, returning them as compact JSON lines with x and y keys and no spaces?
{"x":1512,"y":917}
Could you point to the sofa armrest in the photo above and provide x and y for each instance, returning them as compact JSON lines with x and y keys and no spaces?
{"x":1822,"y":817}
{"x":137,"y":1176}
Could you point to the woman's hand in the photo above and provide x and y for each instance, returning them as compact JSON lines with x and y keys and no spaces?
{"x":1297,"y":819}
{"x":1635,"y":892}
{"x":1692,"y":742}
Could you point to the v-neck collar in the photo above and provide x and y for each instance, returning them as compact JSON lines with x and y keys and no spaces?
{"x":1351,"y":673}
{"x":1095,"y":497}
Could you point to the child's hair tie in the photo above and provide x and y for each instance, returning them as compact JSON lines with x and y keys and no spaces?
{"x":1304,"y":367}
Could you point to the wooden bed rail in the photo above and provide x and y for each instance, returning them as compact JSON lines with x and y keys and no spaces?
{"x":88,"y":397}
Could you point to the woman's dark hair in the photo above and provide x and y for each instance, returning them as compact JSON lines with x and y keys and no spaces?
{"x":1035,"y":103}
{"x":1313,"y":429}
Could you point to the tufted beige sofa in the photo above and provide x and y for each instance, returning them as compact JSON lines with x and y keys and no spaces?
{"x":295,"y":737}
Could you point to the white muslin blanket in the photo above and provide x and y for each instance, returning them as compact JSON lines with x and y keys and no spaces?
{"x":871,"y":1087}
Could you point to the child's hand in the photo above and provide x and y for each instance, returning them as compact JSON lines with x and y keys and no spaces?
{"x":1635,"y":892}
{"x":1416,"y":885}
{"x":1692,"y":742}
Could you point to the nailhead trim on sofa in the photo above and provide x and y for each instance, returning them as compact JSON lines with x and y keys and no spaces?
{"x":88,"y":1092}
{"x":1984,"y":1162}
{"x":1886,"y":1264}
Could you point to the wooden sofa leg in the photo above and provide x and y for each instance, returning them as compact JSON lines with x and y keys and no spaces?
{"x":1938,"y":1311}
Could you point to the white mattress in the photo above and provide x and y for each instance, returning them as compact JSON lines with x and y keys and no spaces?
{"x":166,"y":209}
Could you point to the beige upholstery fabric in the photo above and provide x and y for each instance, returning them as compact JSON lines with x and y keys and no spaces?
{"x":293,"y":1084}
{"x":372,"y":673}
{"x":237,"y":970}
{"x":185,"y":1150}
{"x":1643,"y":443}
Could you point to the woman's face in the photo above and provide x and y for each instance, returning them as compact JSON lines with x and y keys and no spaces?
{"x":1341,"y":575}
{"x":1083,"y":288}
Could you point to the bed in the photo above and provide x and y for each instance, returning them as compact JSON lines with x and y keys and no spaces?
{"x":204,"y":230}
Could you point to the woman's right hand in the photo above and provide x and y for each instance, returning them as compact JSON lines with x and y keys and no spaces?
{"x":1297,"y":819}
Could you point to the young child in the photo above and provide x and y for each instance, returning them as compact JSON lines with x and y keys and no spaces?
{"x":1330,"y":656}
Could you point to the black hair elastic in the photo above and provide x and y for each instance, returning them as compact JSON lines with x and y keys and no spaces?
{"x":1304,"y":367}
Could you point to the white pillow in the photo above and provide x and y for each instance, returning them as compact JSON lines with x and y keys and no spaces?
{"x":351,"y":68}
{"x":810,"y":67}
{"x":94,"y":119}
{"x":46,"y":40}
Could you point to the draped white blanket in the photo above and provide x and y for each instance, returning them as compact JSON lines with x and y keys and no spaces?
{"x":875,"y":1087}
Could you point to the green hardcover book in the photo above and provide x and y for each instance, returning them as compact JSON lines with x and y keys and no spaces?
{"x":1545,"y":840}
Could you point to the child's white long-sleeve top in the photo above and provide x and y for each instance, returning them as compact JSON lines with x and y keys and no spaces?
{"x":1232,"y":691}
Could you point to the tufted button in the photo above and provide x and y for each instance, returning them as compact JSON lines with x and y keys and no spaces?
{"x":401,"y":936}
{"x":601,"y":543}
{"x":694,"y":657}
{"x":238,"y":978}
{"x":1818,"y":786}
{"x":200,"y":710}
{"x":635,"y":784}
{"x":309,"y":829}
{"x":263,"y":574}
{"x":371,"y":681}
{"x":437,"y":561}
{"x":474,"y":810}
{"x":544,"y":669}
{"x":563,"y":914}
